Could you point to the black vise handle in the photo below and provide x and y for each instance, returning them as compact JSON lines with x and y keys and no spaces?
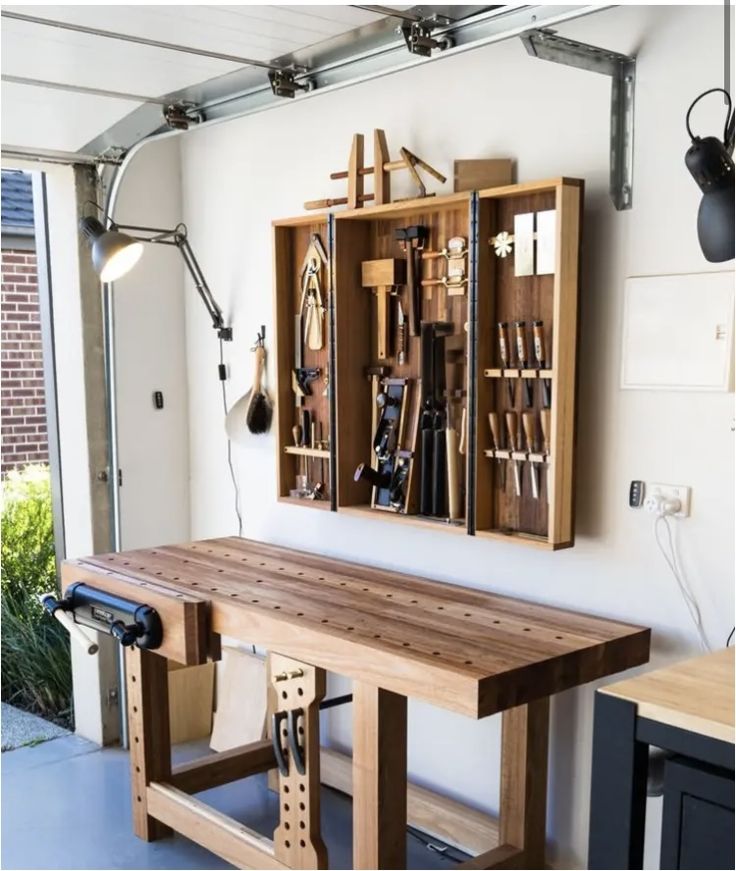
{"x":126,"y":635}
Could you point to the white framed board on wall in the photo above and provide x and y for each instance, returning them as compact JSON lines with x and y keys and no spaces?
{"x":678,"y":332}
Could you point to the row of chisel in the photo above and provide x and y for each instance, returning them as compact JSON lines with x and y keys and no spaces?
{"x":515,"y":446}
{"x":522,"y":359}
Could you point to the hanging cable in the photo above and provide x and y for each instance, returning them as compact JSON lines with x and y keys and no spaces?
{"x":679,"y":576}
{"x":730,"y":636}
{"x":233,"y":476}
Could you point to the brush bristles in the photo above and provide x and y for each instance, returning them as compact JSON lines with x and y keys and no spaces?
{"x":258,"y":416}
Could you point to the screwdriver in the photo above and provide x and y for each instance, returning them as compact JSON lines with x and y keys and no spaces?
{"x":496,"y":439}
{"x":540,"y":355}
{"x":544,"y":417}
{"x":530,"y":425}
{"x":521,"y":353}
{"x":512,"y":425}
{"x":503,"y":347}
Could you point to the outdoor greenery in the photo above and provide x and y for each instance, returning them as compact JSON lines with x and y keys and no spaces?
{"x":36,"y":666}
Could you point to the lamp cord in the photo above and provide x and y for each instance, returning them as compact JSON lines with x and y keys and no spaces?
{"x":727,"y":134}
{"x":679,"y":576}
{"x":233,"y":476}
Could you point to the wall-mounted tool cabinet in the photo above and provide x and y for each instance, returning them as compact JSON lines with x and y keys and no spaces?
{"x":527,"y":326}
{"x":402,"y":360}
{"x":304,"y":340}
{"x":432,"y":419}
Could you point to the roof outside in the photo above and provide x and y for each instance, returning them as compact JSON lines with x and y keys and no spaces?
{"x":16,"y":193}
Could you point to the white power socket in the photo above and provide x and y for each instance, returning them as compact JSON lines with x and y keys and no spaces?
{"x":657,"y":494}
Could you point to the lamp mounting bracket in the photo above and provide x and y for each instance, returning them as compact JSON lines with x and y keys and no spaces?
{"x":181,"y":116}
{"x":546,"y":44}
{"x":284,"y":83}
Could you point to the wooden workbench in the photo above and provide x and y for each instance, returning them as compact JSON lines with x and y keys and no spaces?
{"x":396,"y":636}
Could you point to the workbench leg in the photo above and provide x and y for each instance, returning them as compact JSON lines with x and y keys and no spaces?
{"x":523,"y":804}
{"x":379,"y":778}
{"x":297,"y":689}
{"x":150,"y":738}
{"x":618,"y":795}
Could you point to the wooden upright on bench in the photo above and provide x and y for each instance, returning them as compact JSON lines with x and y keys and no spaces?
{"x":397,"y":636}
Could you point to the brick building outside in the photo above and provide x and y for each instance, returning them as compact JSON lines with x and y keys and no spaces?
{"x":22,"y":402}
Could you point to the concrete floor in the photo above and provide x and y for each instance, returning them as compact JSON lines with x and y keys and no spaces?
{"x":66,"y":804}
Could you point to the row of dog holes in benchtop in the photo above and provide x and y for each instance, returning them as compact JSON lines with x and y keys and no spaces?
{"x":452,"y":611}
{"x":405,"y":644}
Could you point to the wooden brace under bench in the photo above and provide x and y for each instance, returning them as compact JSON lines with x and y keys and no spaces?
{"x":396,"y":636}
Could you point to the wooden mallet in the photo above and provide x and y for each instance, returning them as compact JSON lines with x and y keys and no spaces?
{"x":382,"y":276}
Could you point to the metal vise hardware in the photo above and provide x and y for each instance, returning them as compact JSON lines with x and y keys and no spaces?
{"x":129,"y":622}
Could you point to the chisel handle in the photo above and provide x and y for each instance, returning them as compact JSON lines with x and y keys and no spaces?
{"x":539,"y":352}
{"x":296,"y":433}
{"x":495,"y":429}
{"x":530,"y":427}
{"x":503,"y":343}
{"x":521,"y":349}
{"x":544,"y":419}
{"x":512,"y":425}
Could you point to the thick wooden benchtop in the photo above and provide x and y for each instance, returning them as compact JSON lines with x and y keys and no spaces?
{"x":463,"y":649}
{"x":697,"y":694}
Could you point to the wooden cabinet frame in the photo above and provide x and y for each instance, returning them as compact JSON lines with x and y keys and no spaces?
{"x":493,"y":294}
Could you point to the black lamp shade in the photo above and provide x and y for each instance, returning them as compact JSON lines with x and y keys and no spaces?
{"x":712,"y":167}
{"x":113,"y":253}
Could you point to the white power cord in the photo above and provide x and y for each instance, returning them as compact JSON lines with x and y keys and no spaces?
{"x":674,"y":566}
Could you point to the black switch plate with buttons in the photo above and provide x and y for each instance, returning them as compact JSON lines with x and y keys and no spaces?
{"x":158,"y":399}
{"x":636,"y":494}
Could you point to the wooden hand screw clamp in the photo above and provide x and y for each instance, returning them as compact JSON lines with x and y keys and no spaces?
{"x":356,"y":172}
{"x":382,"y":276}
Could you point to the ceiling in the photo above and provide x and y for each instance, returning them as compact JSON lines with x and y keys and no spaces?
{"x":48,"y":118}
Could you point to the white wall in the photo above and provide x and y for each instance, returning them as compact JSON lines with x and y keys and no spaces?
{"x":239,"y":176}
{"x":150,"y":354}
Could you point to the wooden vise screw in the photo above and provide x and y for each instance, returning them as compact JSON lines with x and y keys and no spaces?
{"x":382,"y":276}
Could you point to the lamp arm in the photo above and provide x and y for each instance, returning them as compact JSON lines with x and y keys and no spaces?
{"x":200,"y":283}
{"x":178,"y":238}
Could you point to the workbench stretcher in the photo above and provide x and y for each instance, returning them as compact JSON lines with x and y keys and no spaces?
{"x":396,"y":636}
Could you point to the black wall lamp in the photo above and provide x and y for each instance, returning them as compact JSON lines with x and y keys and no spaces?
{"x":711,"y":165}
{"x":115,"y":253}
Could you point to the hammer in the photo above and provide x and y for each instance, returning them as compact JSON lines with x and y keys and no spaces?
{"x":382,"y":276}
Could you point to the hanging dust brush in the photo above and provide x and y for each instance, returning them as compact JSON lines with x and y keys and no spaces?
{"x":260,"y":408}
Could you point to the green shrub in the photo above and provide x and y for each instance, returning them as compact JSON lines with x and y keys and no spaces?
{"x":36,"y":667}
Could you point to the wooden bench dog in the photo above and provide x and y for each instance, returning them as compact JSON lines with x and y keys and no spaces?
{"x":396,"y":636}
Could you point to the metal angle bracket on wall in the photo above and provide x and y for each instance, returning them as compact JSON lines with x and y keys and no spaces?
{"x":547,"y":45}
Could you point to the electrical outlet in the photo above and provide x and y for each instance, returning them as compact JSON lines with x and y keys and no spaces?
{"x":671,"y":491}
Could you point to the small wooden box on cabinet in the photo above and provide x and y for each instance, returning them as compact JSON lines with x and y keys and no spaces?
{"x":368,"y":234}
{"x":552,"y":298}
{"x":291,"y":242}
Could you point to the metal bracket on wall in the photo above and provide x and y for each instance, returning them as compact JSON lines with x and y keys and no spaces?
{"x":284,"y":83}
{"x":547,"y":45}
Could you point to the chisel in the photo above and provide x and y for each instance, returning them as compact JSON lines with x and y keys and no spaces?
{"x":544,"y":418}
{"x":496,"y":439}
{"x":521,"y":353}
{"x":512,"y":425}
{"x":530,"y":425}
{"x":540,"y":355}
{"x":503,"y":348}
{"x":401,"y":344}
